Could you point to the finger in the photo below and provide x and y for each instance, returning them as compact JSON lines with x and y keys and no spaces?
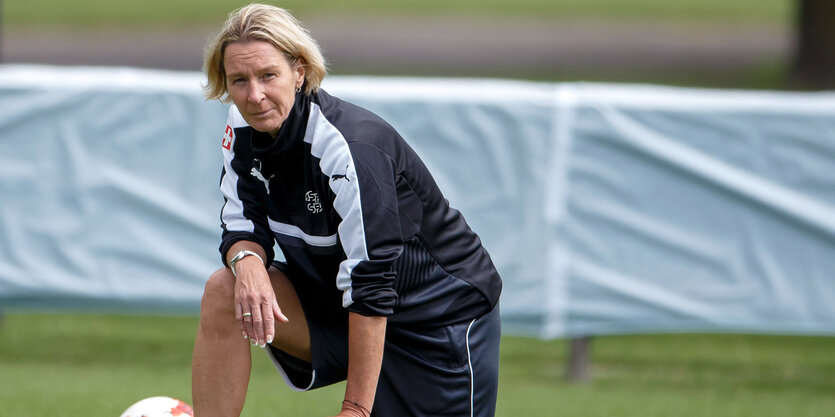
{"x":269,"y":321}
{"x":258,"y":325}
{"x":248,"y":326}
{"x":239,"y":316}
{"x":278,"y":314}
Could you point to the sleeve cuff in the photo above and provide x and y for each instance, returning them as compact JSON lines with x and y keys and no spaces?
{"x":233,"y":237}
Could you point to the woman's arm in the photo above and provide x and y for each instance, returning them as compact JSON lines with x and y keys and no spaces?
{"x":244,"y":212}
{"x":366,"y":338}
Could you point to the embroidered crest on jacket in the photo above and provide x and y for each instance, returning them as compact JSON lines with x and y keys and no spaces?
{"x":313,"y":204}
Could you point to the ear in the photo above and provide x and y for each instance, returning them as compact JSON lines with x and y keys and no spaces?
{"x":300,"y":71}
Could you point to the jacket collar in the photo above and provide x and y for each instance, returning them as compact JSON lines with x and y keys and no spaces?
{"x":287,"y":146}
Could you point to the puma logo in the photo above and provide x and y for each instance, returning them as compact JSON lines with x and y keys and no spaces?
{"x":257,"y":174}
{"x":342,"y":176}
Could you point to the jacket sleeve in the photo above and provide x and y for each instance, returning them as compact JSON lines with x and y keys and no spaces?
{"x":366,"y":200}
{"x":243,"y":216}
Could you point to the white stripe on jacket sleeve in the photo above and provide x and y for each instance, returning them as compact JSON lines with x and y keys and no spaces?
{"x":335,"y":158}
{"x":232,"y":213}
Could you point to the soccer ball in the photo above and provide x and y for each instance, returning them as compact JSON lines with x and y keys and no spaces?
{"x":159,"y":407}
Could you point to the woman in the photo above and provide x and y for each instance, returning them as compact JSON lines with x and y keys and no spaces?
{"x":384,"y":284}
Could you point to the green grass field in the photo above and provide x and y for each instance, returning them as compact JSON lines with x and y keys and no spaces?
{"x":212,"y":12}
{"x":94,"y":365}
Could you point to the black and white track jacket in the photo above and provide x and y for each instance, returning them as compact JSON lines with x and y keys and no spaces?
{"x":352,"y":206}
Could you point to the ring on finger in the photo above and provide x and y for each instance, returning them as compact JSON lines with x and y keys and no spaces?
{"x":247,"y":314}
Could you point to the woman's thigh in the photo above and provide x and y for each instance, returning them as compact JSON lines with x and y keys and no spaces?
{"x":292,"y":337}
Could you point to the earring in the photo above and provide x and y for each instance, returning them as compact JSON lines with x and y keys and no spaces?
{"x":299,"y":89}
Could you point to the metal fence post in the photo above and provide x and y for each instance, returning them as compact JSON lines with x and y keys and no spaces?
{"x":579,"y":358}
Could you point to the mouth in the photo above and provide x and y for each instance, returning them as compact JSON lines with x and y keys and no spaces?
{"x":261,"y":114}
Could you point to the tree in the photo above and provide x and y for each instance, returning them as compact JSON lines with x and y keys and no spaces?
{"x":814,"y":55}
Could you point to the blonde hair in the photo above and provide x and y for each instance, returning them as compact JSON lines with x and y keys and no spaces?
{"x":263,"y":23}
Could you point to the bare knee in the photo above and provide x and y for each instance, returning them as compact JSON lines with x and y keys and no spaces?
{"x":220,"y":287}
{"x":218,"y":304}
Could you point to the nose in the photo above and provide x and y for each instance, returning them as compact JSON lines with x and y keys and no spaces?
{"x":255,"y":93}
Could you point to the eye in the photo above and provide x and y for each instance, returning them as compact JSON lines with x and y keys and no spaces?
{"x":269,"y":75}
{"x":238,"y":81}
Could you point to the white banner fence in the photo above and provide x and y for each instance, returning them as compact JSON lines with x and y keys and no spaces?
{"x":607,"y":208}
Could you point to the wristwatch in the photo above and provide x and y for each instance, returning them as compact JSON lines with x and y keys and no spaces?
{"x":240,"y":255}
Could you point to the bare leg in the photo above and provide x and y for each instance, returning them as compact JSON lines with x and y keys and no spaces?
{"x":221,"y":363}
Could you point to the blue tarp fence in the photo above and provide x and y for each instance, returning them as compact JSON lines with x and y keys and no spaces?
{"x":607,"y":208}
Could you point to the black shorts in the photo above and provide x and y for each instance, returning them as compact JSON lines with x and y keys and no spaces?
{"x":449,"y":370}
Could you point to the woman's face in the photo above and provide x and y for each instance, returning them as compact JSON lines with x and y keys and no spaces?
{"x":262,"y":83}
